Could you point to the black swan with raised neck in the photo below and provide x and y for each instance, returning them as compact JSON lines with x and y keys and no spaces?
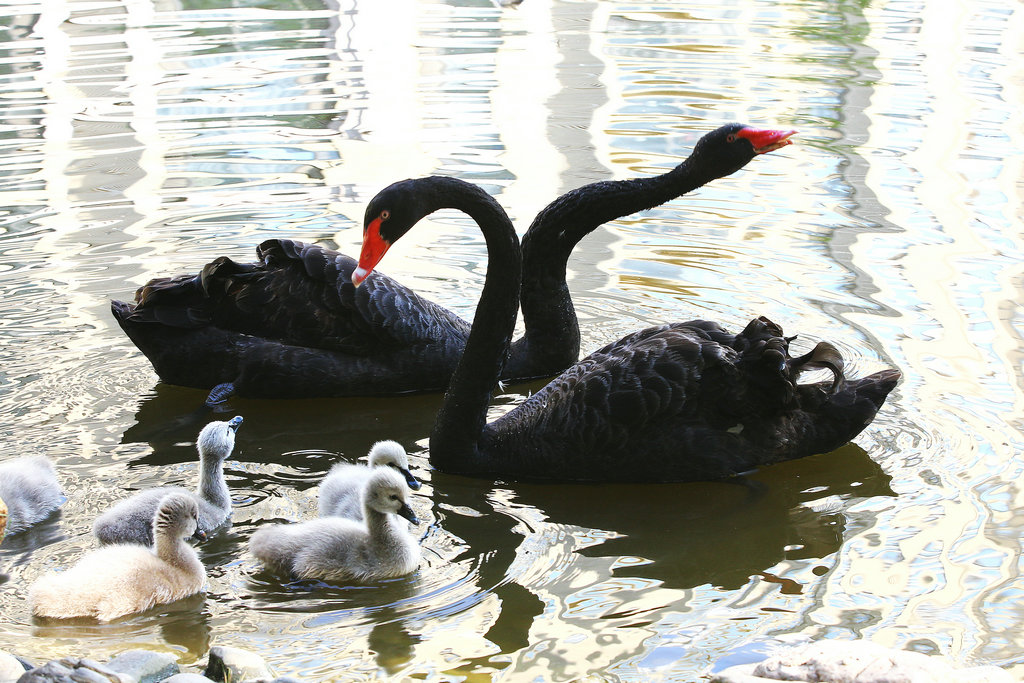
{"x":293,"y":326}
{"x":680,"y":402}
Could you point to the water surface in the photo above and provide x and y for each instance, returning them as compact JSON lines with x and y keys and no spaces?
{"x":144,"y":139}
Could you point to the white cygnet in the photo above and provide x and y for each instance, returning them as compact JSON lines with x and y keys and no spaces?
{"x":121,"y":579}
{"x":335,"y":548}
{"x":30,"y":490}
{"x":341,"y":492}
{"x":131,"y":520}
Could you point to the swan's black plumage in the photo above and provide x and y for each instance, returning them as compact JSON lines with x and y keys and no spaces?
{"x":293,"y":325}
{"x":681,"y":402}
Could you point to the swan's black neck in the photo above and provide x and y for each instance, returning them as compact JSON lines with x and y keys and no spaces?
{"x":552,"y":339}
{"x":463,"y":412}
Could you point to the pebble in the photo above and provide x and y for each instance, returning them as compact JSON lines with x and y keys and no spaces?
{"x":225,"y":665}
{"x":228,"y":664}
{"x":856,"y":662}
{"x":145,"y":666}
{"x":73,"y":670}
{"x":11,"y":668}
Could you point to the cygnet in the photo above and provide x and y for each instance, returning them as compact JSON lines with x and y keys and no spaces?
{"x":335,"y":548}
{"x":341,"y":492}
{"x":131,"y":520}
{"x":121,"y":579}
{"x":30,"y":490}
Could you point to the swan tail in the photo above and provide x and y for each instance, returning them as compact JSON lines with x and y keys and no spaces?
{"x":222,"y":288}
{"x":829,"y":419}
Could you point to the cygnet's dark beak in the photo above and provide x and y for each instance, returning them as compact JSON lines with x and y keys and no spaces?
{"x":235,"y":422}
{"x":199,"y":536}
{"x":407,"y":512}
{"x":412,"y":481}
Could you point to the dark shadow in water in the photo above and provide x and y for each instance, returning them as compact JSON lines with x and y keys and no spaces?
{"x":519,"y":607}
{"x":713,"y":533}
{"x":170,"y":418}
{"x":491,"y":542}
{"x":718,"y":533}
{"x":385,"y":603}
{"x":391,"y":642}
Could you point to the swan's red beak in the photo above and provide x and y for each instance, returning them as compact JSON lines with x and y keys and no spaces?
{"x":765,"y":140}
{"x":374,"y":248}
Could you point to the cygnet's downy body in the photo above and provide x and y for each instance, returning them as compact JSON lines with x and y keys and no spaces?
{"x":341,"y":492}
{"x":131,"y":520}
{"x":339,"y":549}
{"x":126,"y":578}
{"x":30,"y":491}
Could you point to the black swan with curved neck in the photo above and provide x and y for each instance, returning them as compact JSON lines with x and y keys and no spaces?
{"x":680,"y":402}
{"x":292,"y":325}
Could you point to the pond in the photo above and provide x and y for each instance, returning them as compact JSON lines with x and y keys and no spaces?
{"x":144,"y":139}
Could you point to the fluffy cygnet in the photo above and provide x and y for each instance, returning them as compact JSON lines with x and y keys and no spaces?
{"x":335,"y":548}
{"x":121,"y":579}
{"x":341,"y":492}
{"x":30,"y":490}
{"x":131,"y":520}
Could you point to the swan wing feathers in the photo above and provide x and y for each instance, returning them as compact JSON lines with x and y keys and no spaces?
{"x":131,"y":520}
{"x":716,"y":403}
{"x":298,"y":294}
{"x":333,"y":548}
{"x":319,"y":548}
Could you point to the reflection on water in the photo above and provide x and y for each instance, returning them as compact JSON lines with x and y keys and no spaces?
{"x":144,"y":139}
{"x":182,"y":625}
{"x":718,"y":533}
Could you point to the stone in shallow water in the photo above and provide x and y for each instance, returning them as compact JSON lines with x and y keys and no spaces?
{"x":73,"y":670}
{"x":11,"y":668}
{"x":187,"y":678}
{"x":231,"y":664}
{"x":145,"y":666}
{"x":837,"y":661}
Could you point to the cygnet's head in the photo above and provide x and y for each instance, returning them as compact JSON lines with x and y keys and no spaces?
{"x":178,"y":516}
{"x":387,"y":492}
{"x":217,"y":439}
{"x":391,"y":454}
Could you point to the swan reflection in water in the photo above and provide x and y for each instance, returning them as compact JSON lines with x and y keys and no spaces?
{"x":167,"y":419}
{"x":717,"y":533}
{"x":184,"y":624}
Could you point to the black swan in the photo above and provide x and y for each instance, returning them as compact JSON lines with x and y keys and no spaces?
{"x":679,"y":402}
{"x":293,"y":326}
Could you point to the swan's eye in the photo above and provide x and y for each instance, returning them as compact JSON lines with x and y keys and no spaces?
{"x":731,"y":137}
{"x":394,"y":496}
{"x":385,"y":214}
